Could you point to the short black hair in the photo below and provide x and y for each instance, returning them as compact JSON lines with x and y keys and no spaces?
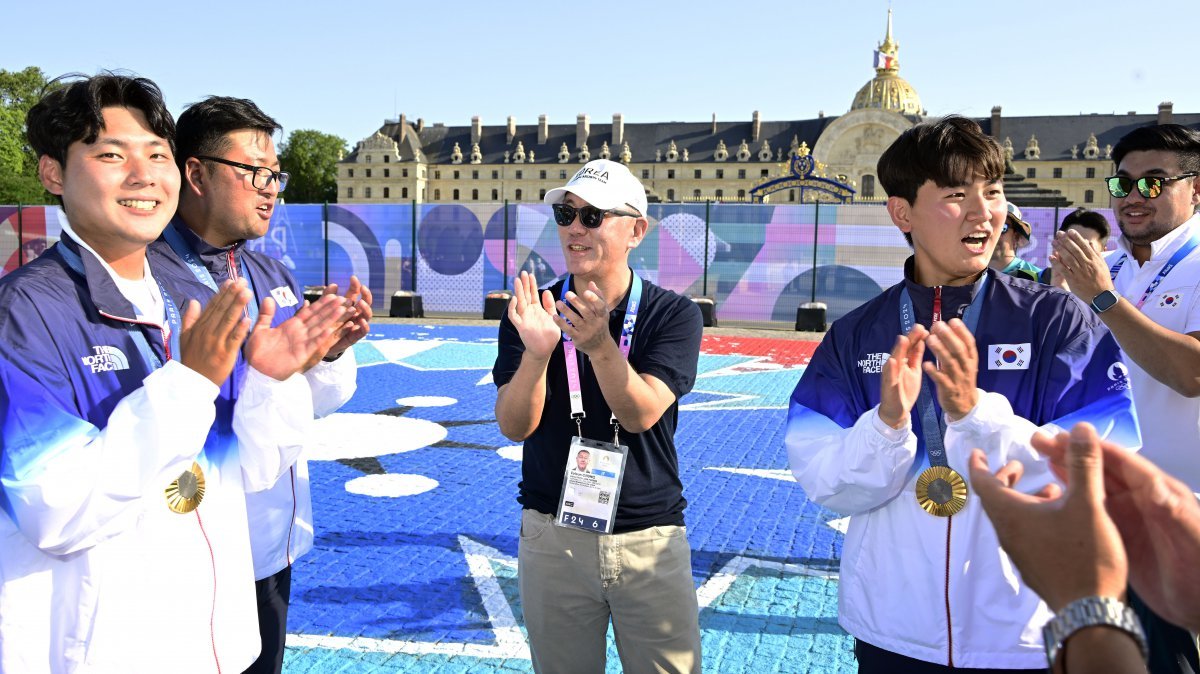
{"x":1182,"y":141}
{"x":72,"y":106}
{"x":950,"y":151}
{"x":203,"y":127}
{"x":1082,"y":217}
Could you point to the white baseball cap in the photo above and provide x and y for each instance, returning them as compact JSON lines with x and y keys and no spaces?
{"x":604,"y":184}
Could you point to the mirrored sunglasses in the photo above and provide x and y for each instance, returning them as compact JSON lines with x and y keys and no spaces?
{"x":1148,"y":186}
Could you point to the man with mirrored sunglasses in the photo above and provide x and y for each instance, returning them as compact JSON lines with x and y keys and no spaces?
{"x":1148,"y":294}
{"x":231,"y":182}
{"x":601,"y":371}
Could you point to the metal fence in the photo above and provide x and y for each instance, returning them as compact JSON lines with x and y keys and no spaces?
{"x":758,"y":262}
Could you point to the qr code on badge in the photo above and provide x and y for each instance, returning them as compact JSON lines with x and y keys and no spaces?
{"x":604,"y":496}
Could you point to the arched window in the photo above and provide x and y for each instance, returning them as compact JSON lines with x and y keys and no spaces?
{"x":349,"y":192}
{"x":456,"y":197}
{"x":387,"y":191}
{"x":1089,"y":196}
{"x":495,"y":195}
{"x":518,"y":195}
{"x":368,"y":193}
{"x":868,"y":187}
{"x":696,"y":194}
{"x":437,"y":195}
{"x":720,"y":193}
{"x":741,"y":194}
{"x":670,"y":195}
{"x":474,"y":195}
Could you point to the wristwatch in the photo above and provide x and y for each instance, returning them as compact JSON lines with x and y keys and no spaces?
{"x":1087,"y":612}
{"x":1104,"y":301}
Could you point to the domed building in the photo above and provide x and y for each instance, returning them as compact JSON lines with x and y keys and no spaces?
{"x":1055,"y":159}
{"x":882,"y":109}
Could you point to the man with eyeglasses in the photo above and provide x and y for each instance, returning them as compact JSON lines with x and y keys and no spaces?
{"x":231,"y":182}
{"x":601,"y":369}
{"x":1148,"y":294}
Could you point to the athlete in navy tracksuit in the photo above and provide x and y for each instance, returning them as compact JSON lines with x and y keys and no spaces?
{"x":940,"y":589}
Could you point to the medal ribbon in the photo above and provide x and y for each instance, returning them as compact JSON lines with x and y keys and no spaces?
{"x":1162,"y":273}
{"x":170,"y":333}
{"x":572,"y":359}
{"x":192,"y":260}
{"x":933,"y":427}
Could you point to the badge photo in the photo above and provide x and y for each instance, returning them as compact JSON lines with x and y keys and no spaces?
{"x":284,"y":297}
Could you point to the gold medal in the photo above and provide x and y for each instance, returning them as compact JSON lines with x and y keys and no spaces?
{"x":187,"y":491}
{"x":941,"y":491}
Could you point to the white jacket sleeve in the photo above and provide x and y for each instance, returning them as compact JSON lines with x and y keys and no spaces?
{"x":1003,"y":436}
{"x":848,"y":470}
{"x":272,"y":420}
{"x":333,"y":384}
{"x":69,"y":485}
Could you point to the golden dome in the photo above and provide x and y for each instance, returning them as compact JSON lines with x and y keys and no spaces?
{"x":888,"y":91}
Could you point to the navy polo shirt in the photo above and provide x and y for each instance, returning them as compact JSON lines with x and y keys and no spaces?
{"x":666,"y":345}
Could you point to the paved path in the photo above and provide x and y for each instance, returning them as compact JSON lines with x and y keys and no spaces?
{"x":414,"y":568}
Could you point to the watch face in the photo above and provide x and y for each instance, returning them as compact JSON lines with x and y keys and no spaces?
{"x":1104,"y":301}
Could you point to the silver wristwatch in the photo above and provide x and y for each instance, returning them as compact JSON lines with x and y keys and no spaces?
{"x":1090,"y":611}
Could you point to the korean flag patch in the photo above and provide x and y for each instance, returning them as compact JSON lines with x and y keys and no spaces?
{"x":1170,"y":300}
{"x":1008,"y":356}
{"x":284,"y":297}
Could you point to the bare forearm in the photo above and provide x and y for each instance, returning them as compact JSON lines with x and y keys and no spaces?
{"x":1170,"y":357}
{"x":632,"y":400}
{"x":519,"y":403}
{"x":1100,"y":649}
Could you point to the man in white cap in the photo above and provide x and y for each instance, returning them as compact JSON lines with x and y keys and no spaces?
{"x":602,"y":368}
{"x":1013,"y":237}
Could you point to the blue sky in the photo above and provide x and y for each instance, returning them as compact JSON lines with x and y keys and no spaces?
{"x":343,"y":67}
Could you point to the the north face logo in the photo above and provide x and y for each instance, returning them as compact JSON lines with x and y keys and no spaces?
{"x":106,"y":359}
{"x":873,"y":363}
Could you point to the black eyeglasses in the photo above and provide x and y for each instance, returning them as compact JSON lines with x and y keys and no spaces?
{"x":1148,"y":186}
{"x":589,"y":216}
{"x":260,"y":176}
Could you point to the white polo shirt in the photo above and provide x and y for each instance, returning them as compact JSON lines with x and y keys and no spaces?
{"x":1170,"y":422}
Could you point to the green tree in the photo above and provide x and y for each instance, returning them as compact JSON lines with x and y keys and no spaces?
{"x":19,"y":90}
{"x":311,"y":158}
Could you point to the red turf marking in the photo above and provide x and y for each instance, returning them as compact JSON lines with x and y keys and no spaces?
{"x":786,"y":352}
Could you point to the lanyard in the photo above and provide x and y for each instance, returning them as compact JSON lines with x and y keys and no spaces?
{"x":932,"y":426}
{"x":174,"y":323}
{"x":1162,"y":273}
{"x":572,"y":360}
{"x":192,"y":260}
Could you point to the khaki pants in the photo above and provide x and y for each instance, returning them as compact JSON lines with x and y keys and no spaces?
{"x":572,"y":582}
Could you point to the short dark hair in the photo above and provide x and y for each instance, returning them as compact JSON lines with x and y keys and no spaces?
{"x":72,"y":107}
{"x":950,"y":151}
{"x":203,"y":126}
{"x":1182,"y":141}
{"x":1082,"y":217}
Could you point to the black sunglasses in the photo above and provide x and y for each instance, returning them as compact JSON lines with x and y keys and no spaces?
{"x":260,"y":176}
{"x":589,"y":216}
{"x":1148,"y":186}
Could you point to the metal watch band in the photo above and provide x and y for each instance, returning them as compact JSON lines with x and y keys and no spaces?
{"x":1087,"y":612}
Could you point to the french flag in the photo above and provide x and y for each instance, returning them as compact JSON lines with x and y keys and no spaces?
{"x":883,"y":60}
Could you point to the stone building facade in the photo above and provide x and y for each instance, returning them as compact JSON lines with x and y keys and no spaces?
{"x":1058,"y":159}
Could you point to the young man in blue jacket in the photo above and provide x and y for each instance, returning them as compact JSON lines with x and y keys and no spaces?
{"x":123,"y":526}
{"x":231,"y":180}
{"x":954,"y":357}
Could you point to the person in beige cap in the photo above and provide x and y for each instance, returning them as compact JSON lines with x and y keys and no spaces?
{"x":603,"y":368}
{"x":1014,"y":237}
